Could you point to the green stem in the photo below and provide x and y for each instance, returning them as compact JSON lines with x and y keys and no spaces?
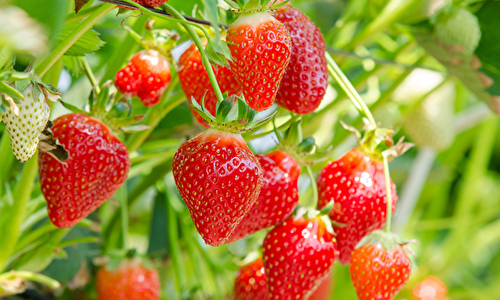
{"x":285,"y":125}
{"x":90,"y":74}
{"x":16,"y":215}
{"x":173,"y":243}
{"x":199,"y":44}
{"x":349,"y":89}
{"x":388,"y":193}
{"x":314,"y":187}
{"x":124,"y":217}
{"x":51,"y":283}
{"x":73,"y":37}
{"x":82,"y":240}
{"x":123,"y":51}
{"x":7,"y":158}
{"x":392,"y":12}
{"x":155,"y":115}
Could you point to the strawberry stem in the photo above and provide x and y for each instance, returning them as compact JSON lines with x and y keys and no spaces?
{"x":388,"y":193}
{"x":199,"y":45}
{"x":349,"y":89}
{"x":90,"y":74}
{"x":314,"y":187}
{"x":16,"y":213}
{"x":51,"y":283}
{"x":124,"y":216}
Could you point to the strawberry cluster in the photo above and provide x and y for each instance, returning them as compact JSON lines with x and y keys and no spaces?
{"x":230,"y":192}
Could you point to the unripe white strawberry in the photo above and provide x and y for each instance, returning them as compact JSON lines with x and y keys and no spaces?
{"x":25,"y":128}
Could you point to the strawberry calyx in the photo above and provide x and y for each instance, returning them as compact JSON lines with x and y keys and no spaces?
{"x":161,"y":40}
{"x":231,"y":115}
{"x":113,"y":111}
{"x":377,"y":142}
{"x":303,"y":151}
{"x":254,"y":6}
{"x":387,"y":240}
{"x":310,"y":213}
{"x":117,"y":258}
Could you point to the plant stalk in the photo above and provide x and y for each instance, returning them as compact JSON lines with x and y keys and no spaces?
{"x":387,"y":176}
{"x":349,"y":89}
{"x":22,"y":194}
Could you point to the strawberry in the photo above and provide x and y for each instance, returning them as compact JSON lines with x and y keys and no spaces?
{"x":250,"y":282}
{"x":431,"y":288}
{"x":129,"y":281}
{"x":146,"y":3}
{"x":379,"y":271}
{"x":97,"y":166}
{"x":26,"y":122}
{"x":430,"y":124}
{"x":298,"y":253}
{"x":260,"y":47}
{"x":356,"y":184}
{"x":220,"y":179}
{"x":146,"y":76}
{"x":324,"y":290}
{"x":150,"y":3}
{"x":278,"y":197}
{"x":458,"y":29}
{"x":306,"y":77}
{"x":195,"y":83}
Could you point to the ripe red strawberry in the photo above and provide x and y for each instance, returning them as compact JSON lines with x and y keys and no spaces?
{"x":324,"y":290}
{"x":97,"y":166}
{"x":147,"y":3}
{"x":129,"y":281}
{"x":298,"y":254}
{"x":194,"y":81}
{"x":356,"y":184}
{"x":146,"y":76}
{"x":220,"y":179}
{"x":306,"y":77}
{"x":377,"y":272}
{"x":250,"y":283}
{"x":260,"y":47}
{"x":150,"y":3}
{"x":278,"y":197}
{"x":431,"y":288}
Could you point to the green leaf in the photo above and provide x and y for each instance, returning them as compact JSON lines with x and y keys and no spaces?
{"x":489,"y":45}
{"x":12,"y":92}
{"x":88,"y":43}
{"x":135,"y":128}
{"x":74,"y":65}
{"x":73,"y":108}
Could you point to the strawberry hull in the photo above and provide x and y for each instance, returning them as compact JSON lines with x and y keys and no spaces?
{"x":219,"y":179}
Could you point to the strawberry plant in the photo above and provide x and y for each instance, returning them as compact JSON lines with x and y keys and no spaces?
{"x":249,"y":149}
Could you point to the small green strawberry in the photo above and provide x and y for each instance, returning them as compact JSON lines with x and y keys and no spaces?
{"x":459,"y":27}
{"x":430,"y":124}
{"x":26,"y":123}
